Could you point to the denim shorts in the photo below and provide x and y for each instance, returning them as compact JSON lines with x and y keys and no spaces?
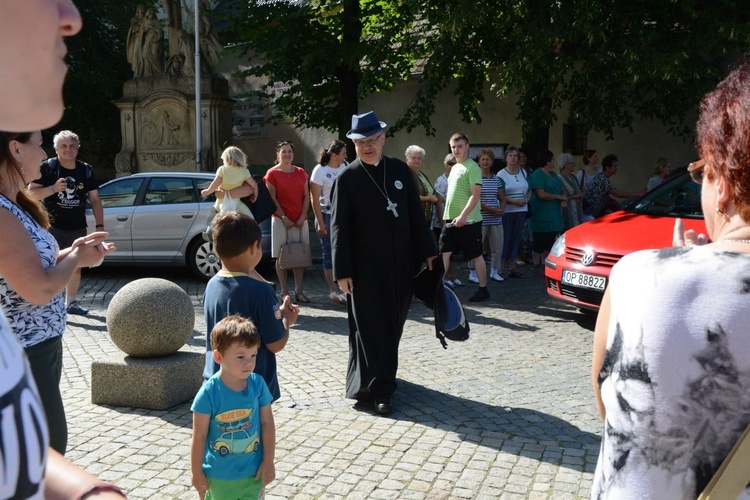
{"x":325,"y":241}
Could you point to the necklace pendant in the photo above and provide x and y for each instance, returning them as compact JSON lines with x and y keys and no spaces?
{"x":392,"y":207}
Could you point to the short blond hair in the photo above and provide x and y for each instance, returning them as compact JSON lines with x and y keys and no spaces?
{"x":234,"y":157}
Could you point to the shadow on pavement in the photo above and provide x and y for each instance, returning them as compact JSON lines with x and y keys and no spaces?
{"x":520,"y":431}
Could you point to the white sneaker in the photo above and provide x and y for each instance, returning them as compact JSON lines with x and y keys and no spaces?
{"x":457,"y":282}
{"x":495,"y":276}
{"x":473,"y":277}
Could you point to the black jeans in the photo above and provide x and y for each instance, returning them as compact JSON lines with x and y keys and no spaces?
{"x":45,"y":359}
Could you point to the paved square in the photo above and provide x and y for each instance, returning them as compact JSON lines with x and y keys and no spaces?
{"x":507,"y":414}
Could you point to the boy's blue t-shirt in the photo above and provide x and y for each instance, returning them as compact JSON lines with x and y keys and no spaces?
{"x":228,"y":294}
{"x":234,"y":449}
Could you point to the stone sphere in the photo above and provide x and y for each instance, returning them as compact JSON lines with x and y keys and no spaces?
{"x":150,"y":317}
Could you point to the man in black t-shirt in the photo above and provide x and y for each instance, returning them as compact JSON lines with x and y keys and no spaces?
{"x":63,"y":187}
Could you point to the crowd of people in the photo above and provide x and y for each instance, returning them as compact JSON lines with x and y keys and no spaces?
{"x":670,"y":380}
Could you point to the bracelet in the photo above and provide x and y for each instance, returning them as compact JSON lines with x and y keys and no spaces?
{"x":99,"y":225}
{"x":100,"y":487}
{"x":52,"y":187}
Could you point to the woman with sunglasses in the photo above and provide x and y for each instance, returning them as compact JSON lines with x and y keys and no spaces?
{"x":671,"y":363}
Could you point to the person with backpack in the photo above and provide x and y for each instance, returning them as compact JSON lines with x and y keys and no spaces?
{"x":63,"y":187}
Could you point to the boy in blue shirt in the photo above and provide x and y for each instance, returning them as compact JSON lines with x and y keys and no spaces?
{"x":234,"y":436}
{"x":232,"y":291}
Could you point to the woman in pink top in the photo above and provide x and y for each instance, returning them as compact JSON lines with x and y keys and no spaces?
{"x":289,"y":190}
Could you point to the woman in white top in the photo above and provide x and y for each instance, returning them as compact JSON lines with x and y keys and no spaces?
{"x":330,"y":162}
{"x":671,"y":364}
{"x":517,"y":196}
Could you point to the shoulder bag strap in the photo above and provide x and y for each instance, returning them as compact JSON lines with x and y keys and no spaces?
{"x":734,"y":474}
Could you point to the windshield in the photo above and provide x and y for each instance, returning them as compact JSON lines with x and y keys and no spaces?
{"x":678,"y":197}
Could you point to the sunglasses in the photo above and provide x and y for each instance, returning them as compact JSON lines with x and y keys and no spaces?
{"x":695,"y":170}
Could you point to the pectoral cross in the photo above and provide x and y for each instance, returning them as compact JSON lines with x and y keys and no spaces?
{"x":392,"y":207}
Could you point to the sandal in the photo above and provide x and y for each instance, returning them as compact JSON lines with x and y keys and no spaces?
{"x":301,"y":298}
{"x":337,"y":298}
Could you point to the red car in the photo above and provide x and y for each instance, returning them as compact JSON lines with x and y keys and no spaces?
{"x":577,"y":269}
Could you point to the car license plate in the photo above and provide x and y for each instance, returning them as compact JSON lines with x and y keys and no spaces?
{"x":584,"y":280}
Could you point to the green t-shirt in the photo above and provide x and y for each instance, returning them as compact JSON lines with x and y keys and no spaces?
{"x":462,"y":177}
{"x":546,"y":215}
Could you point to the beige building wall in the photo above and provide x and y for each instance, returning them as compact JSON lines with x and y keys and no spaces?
{"x":637,"y":150}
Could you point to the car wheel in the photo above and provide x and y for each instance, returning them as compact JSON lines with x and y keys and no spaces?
{"x":223,"y":451}
{"x":202,"y":260}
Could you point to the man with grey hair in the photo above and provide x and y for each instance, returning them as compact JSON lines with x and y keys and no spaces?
{"x":64,"y":185}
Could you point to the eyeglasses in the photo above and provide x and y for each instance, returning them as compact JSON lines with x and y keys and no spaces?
{"x":695,"y":170}
{"x":367,"y":142}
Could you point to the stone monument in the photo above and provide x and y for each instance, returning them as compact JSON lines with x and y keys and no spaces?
{"x":149,"y":319}
{"x":157,"y":109}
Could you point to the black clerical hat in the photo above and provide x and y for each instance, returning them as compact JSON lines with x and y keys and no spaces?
{"x":365,"y":125}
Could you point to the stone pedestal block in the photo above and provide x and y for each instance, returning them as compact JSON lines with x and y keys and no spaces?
{"x":152,"y":384}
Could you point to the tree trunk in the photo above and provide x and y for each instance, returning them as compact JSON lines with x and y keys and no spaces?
{"x":536,"y":143}
{"x":349,"y":76}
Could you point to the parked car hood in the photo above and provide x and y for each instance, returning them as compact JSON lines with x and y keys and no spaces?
{"x":623,"y":232}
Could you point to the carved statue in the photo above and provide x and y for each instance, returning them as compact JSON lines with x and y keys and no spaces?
{"x":168,"y":129}
{"x":153,"y":45}
{"x":133,"y":41}
{"x":210,"y":46}
{"x":173,"y":12}
{"x":209,"y":40}
{"x":187,"y":51}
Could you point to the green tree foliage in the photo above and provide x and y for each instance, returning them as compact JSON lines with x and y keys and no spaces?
{"x":97,"y":69}
{"x":605,"y":62}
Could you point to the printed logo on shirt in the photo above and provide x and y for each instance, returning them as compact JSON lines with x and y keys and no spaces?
{"x":277,"y":311}
{"x":24,"y":438}
{"x":69,"y":197}
{"x":236,"y":438}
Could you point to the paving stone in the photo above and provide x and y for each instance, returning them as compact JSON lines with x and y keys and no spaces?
{"x":507,"y":414}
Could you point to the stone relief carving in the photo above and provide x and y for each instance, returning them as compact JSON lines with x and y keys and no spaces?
{"x":167,"y":159}
{"x":145,"y":44}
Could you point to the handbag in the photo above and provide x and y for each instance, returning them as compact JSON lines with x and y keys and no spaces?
{"x":295,"y":256}
{"x":733,"y":475}
{"x":263,"y":206}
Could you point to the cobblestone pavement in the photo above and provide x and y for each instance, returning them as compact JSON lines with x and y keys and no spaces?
{"x":507,"y":414}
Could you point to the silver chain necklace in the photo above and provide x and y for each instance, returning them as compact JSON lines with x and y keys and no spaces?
{"x":735,"y":240}
{"x":391,"y":206}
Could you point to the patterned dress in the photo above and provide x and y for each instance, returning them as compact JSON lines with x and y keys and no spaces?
{"x":31,"y":323}
{"x":675,"y":379}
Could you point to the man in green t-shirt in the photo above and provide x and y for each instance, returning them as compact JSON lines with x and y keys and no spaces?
{"x":462,"y":230}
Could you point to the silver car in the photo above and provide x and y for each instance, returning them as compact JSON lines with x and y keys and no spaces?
{"x":156,"y":218}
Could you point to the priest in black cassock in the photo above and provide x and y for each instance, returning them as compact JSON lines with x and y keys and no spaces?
{"x":378,"y":236}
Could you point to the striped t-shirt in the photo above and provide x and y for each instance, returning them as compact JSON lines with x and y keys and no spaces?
{"x":490,"y":186}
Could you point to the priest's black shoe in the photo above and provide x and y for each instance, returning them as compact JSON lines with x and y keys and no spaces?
{"x":384,"y":405}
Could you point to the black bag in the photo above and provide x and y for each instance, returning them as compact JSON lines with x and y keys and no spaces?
{"x":263,"y":206}
{"x":450,"y":317}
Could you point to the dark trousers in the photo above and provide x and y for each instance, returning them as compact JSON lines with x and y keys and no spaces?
{"x":45,"y":359}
